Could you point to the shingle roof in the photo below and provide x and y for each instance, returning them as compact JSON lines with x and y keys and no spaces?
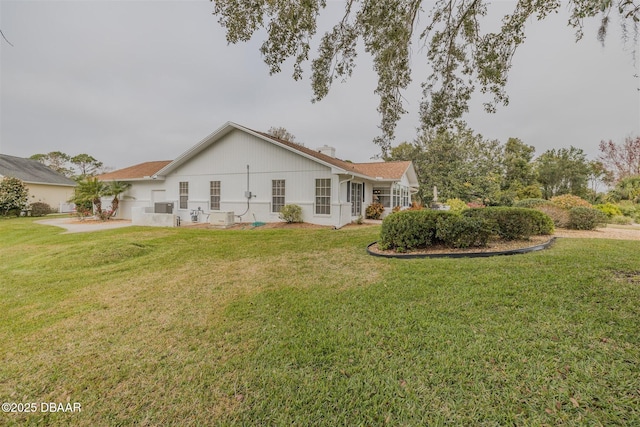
{"x":138,"y":171}
{"x":385,"y":170}
{"x":31,"y":171}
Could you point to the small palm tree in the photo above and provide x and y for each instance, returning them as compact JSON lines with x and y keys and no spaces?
{"x":90,"y":190}
{"x":115,"y":188}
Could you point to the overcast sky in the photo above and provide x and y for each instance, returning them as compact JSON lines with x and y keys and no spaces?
{"x":135,"y":81}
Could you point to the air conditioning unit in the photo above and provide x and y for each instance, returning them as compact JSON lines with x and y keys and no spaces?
{"x":163,"y":207}
{"x":221,"y":219}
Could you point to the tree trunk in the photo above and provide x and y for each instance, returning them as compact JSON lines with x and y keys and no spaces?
{"x":114,"y":206}
{"x":98,"y":204}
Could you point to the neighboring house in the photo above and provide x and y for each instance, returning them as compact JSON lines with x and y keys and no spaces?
{"x":44,"y":184}
{"x":252,"y":174}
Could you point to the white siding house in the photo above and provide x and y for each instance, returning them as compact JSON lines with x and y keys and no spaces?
{"x":252,"y":174}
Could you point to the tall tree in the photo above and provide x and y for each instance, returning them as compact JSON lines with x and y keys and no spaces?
{"x":598,"y":175}
{"x":461,"y":55}
{"x":518,"y":164}
{"x":622,"y":160}
{"x":87,"y":165}
{"x":56,"y":160}
{"x":519,"y":179}
{"x":563,"y":171}
{"x":458,"y":162}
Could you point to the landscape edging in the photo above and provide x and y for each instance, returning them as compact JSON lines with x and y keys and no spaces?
{"x":528,"y":249}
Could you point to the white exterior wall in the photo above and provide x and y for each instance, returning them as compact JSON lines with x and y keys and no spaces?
{"x":139,"y":195}
{"x":226,"y":161}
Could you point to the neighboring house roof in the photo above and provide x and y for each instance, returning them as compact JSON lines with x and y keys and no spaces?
{"x":31,"y":171}
{"x":382,"y":171}
{"x":139,"y":171}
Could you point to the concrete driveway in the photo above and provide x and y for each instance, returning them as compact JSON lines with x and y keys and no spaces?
{"x":73,"y":225}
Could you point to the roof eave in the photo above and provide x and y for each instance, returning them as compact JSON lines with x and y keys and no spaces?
{"x":144,"y":178}
{"x":339,"y":171}
{"x":49,"y":183}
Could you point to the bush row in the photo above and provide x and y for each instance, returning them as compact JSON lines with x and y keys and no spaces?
{"x":409,"y":230}
{"x":572,"y":212}
{"x":515,"y":223}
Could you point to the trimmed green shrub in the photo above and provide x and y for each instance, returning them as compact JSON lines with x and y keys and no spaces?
{"x":583,"y":218}
{"x":291,"y":213}
{"x":609,"y":209}
{"x":456,"y":205}
{"x":410,"y":229}
{"x":568,"y":201}
{"x":515,"y":223}
{"x":40,"y":209}
{"x":532,"y":203}
{"x":464,"y":232}
{"x":374,"y":210}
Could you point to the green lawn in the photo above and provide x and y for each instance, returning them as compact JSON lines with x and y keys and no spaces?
{"x":152,"y":326}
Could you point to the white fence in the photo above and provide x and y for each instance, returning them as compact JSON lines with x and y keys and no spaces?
{"x":66,"y":207}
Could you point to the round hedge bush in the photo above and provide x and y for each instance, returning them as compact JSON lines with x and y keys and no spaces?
{"x":568,"y":201}
{"x":291,"y":213}
{"x":411,"y":229}
{"x":515,"y":223}
{"x":40,"y":209}
{"x":583,"y":218}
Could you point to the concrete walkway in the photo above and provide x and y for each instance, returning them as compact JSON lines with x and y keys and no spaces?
{"x":73,"y":225}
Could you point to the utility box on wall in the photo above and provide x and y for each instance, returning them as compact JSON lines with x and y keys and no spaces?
{"x":163,"y":207}
{"x":221,"y":219}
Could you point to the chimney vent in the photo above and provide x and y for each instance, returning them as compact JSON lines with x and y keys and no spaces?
{"x":327,"y":150}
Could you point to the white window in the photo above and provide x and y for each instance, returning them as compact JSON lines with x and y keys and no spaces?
{"x":323,"y":196}
{"x":382,"y":195}
{"x":277,"y":195}
{"x":184,"y":195}
{"x":214,"y":194}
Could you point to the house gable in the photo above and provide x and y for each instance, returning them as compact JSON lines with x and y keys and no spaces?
{"x":232,"y":152}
